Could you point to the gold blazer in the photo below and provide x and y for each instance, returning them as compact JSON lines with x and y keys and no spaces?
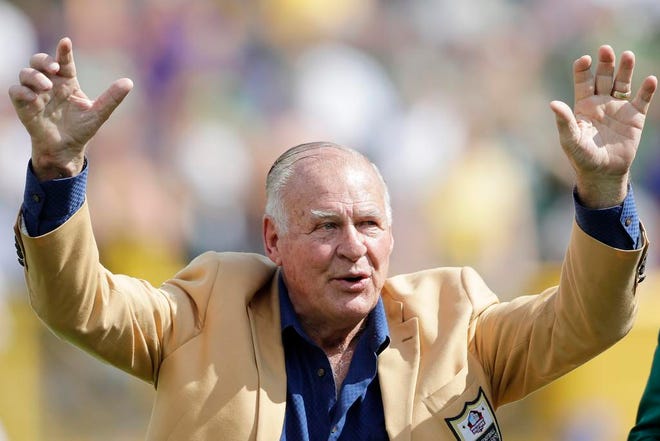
{"x":209,"y":339}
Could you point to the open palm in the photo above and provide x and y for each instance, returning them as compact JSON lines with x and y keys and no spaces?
{"x":602,"y":135}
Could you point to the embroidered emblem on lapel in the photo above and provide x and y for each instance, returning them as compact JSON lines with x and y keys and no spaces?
{"x":476,"y":422}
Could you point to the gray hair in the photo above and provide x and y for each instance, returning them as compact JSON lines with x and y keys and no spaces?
{"x":282,"y":170}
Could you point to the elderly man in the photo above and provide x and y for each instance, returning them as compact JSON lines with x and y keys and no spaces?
{"x":314,"y":341}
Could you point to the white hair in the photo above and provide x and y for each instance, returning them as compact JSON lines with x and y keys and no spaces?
{"x":282,"y":170}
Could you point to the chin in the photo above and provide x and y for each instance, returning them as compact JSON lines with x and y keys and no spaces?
{"x":361,"y":304}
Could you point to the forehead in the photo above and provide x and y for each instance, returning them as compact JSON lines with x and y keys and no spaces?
{"x":334,"y":176}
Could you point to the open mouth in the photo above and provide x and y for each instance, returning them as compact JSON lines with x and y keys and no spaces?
{"x":354,"y":282}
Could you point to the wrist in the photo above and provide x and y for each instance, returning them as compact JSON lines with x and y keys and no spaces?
{"x":602,"y":192}
{"x":47,"y":168}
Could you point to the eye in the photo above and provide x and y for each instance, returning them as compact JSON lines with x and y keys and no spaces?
{"x":327,"y":226}
{"x":369,"y":225}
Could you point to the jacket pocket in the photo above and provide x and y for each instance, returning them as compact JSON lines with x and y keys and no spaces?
{"x":451,"y":392}
{"x":464,"y":408}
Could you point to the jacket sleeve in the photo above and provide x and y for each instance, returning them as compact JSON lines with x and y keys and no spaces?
{"x":122,"y":320}
{"x":526,"y":343}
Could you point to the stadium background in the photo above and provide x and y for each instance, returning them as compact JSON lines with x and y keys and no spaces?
{"x":450,"y":99}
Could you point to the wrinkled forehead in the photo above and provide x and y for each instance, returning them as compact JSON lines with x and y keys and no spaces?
{"x":329,"y":169}
{"x":333,"y":179}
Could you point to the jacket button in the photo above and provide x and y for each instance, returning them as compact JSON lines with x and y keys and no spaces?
{"x":641,"y":272}
{"x":19,"y":252}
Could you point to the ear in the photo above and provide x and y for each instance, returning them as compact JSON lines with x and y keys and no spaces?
{"x":271,"y":240}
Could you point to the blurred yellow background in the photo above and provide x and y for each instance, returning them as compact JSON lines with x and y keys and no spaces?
{"x":449,"y":99}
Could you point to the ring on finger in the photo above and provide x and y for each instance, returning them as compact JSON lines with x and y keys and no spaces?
{"x":621,"y":95}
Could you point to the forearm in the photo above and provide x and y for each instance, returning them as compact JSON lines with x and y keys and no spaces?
{"x":117,"y":318}
{"x":528,"y":342}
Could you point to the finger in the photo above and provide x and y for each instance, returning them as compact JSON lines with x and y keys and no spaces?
{"x":566,"y":123}
{"x":108,"y":101}
{"x":34,"y":80}
{"x":583,"y":80}
{"x":64,"y":56}
{"x":44,"y":63}
{"x":624,"y":74}
{"x":605,"y":70}
{"x":644,"y":96}
{"x":21,"y":95}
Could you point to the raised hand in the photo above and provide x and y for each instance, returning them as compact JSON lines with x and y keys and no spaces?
{"x":602,"y":134}
{"x":57,"y":114}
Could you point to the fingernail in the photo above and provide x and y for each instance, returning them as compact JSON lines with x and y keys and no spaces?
{"x":54,"y":66}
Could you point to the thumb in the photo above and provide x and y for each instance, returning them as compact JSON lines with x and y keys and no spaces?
{"x":108,"y":101}
{"x":566,"y":123}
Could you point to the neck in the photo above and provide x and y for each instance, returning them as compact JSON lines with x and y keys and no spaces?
{"x":339,"y":347}
{"x":335,"y":340}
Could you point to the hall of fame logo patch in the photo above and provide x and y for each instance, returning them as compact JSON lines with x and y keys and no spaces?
{"x":476,"y":422}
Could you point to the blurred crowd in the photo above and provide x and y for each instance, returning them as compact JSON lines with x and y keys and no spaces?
{"x":449,"y":99}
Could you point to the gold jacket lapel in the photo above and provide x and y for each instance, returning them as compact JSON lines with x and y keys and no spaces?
{"x":398,"y":365}
{"x":264,"y":313}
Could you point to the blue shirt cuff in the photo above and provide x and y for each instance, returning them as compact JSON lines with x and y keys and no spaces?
{"x":48,"y":204}
{"x":616,"y":226}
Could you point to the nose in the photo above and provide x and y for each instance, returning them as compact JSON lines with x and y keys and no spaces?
{"x":351,"y":244}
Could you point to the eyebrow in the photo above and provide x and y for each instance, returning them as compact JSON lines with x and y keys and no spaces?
{"x":325,"y":214}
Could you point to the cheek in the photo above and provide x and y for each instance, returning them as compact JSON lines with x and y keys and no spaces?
{"x":381,"y":250}
{"x":312,"y":255}
{"x":320,"y":251}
